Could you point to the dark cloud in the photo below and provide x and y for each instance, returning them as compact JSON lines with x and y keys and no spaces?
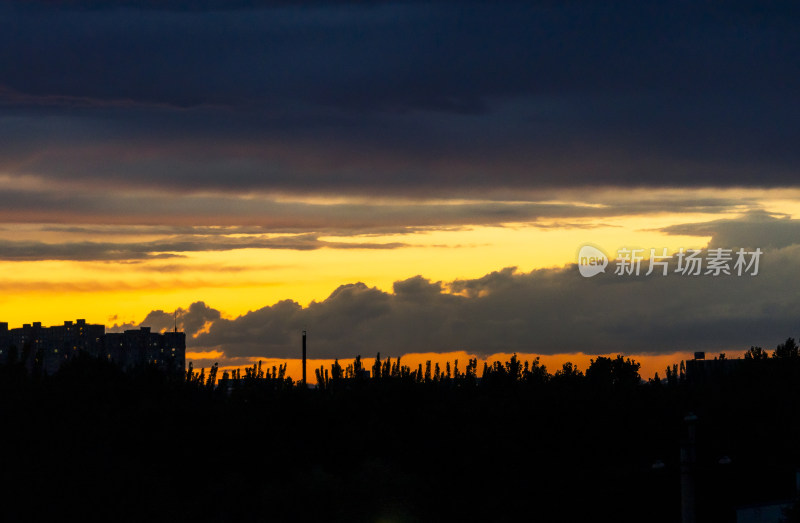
{"x":755,"y":229}
{"x":336,"y":225}
{"x":210,"y":231}
{"x":191,"y":320}
{"x":544,"y":311}
{"x":207,"y":214}
{"x":83,"y":251}
{"x":445,"y":98}
{"x":194,"y":5}
{"x":173,"y":247}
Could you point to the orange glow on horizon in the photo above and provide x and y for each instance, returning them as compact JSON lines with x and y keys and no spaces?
{"x":650,"y":363}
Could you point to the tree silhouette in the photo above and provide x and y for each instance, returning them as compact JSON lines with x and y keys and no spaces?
{"x":376,"y":367}
{"x":535,"y":373}
{"x":568,"y":374}
{"x":756,"y":353}
{"x":786,"y":350}
{"x":619,"y":372}
{"x":672,"y":375}
{"x":655,"y":380}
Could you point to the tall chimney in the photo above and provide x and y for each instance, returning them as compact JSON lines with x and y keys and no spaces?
{"x":304,"y":357}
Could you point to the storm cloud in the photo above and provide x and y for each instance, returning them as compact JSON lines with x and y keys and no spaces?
{"x":417,"y":98}
{"x":546,"y":311}
{"x":756,"y":229}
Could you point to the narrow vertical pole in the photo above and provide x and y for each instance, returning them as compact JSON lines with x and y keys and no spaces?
{"x":688,"y":459}
{"x":304,"y":357}
{"x":797,"y":482}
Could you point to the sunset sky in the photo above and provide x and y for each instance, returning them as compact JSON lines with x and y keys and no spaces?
{"x":400,"y":177}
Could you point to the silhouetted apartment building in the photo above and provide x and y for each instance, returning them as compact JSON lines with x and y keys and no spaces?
{"x":700,"y":369}
{"x":133,"y":348}
{"x":49,"y":347}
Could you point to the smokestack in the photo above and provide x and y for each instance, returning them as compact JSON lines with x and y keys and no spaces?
{"x":304,"y":357}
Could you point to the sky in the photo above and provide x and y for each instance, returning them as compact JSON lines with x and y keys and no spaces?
{"x":400,"y":177}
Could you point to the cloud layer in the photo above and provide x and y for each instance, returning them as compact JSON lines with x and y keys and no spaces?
{"x":141,"y":129}
{"x":113,"y":228}
{"x":416,"y":98}
{"x":546,"y":311}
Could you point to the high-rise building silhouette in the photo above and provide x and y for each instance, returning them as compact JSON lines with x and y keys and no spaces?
{"x":49,"y":347}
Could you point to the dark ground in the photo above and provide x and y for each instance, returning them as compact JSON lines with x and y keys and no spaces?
{"x":94,"y":443}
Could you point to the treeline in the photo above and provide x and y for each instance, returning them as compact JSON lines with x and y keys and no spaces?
{"x":618,"y":371}
{"x":615,"y":372}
